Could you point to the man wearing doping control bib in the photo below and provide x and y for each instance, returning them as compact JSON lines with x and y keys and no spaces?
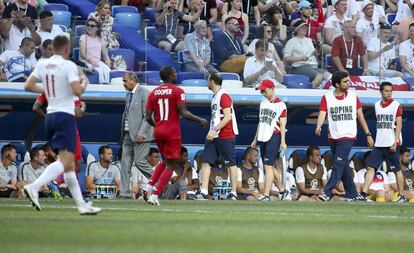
{"x":387,"y":141}
{"x":271,"y":132}
{"x":342,"y":108}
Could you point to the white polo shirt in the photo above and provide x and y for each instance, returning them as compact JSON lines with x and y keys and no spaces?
{"x":56,"y":30}
{"x":15,"y":38}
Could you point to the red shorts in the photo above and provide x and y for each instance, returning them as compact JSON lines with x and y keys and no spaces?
{"x":78,"y":147}
{"x":169,"y":149}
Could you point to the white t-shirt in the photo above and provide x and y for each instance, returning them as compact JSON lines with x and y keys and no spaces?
{"x":15,"y":38}
{"x":103,"y":175}
{"x":336,"y":25}
{"x":367,"y":30}
{"x":16,"y":64}
{"x":56,"y":30}
{"x":378,"y":183}
{"x":57,"y":74}
{"x":298,"y":47}
{"x":252,"y":66}
{"x":382,"y":62}
{"x":403,"y":11}
{"x":406,"y":49}
{"x":300,"y":174}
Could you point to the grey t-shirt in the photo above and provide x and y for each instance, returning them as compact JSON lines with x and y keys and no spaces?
{"x":7,"y":174}
{"x":101,"y":175}
{"x":169,"y":25}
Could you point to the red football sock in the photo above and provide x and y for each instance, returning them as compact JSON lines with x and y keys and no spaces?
{"x":157,"y":173}
{"x":164,"y":179}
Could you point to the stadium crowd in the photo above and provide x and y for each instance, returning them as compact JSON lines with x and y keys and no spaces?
{"x":308,"y":38}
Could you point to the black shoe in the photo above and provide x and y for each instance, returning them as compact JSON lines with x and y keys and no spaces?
{"x":324,"y":197}
{"x":361,"y":197}
{"x":283,"y":195}
{"x":231,"y":196}
{"x":201,"y":196}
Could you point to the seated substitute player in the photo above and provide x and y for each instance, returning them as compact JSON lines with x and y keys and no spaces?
{"x":32,"y":169}
{"x":102,"y":171}
{"x":312,"y":176}
{"x":408,"y":175}
{"x":219,"y":177}
{"x":61,"y":83}
{"x":387,"y":141}
{"x":250,"y":180}
{"x":8,"y":172}
{"x":165,"y":105}
{"x":271,"y":132}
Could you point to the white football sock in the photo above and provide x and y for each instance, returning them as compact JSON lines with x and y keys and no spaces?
{"x":73,"y":185}
{"x":51,"y":172}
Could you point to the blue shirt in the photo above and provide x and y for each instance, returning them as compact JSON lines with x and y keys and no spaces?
{"x":227,"y":46}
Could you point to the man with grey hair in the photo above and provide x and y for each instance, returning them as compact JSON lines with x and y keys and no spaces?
{"x":197,"y":51}
{"x":136,"y":133}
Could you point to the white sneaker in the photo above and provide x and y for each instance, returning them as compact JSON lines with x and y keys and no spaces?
{"x":146,"y":192}
{"x":33,"y":196}
{"x":88,"y":210}
{"x":153,"y":200}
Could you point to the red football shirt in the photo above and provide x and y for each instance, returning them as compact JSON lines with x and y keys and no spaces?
{"x":227,"y":131}
{"x":163,"y":101}
{"x":283,"y":115}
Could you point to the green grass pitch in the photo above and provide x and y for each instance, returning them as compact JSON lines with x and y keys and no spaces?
{"x":213,"y":226}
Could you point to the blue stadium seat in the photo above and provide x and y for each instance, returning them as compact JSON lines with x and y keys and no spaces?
{"x":181,"y":76}
{"x":296,"y":159}
{"x":21,"y":151}
{"x":328,"y":62}
{"x":93,"y":77}
{"x":116,"y":73}
{"x":390,"y":17}
{"x":127,"y":54}
{"x":239,"y":156}
{"x":79,"y":30}
{"x":229,"y":76}
{"x":149,"y":15}
{"x":301,"y":85}
{"x":77,"y":7}
{"x":410,"y":82}
{"x":150,"y":32}
{"x":296,"y":81}
{"x":55,"y":7}
{"x":123,"y":9}
{"x":194,"y":82}
{"x":115,"y":151}
{"x":62,"y":18}
{"x":132,"y":20}
{"x":150,"y":77}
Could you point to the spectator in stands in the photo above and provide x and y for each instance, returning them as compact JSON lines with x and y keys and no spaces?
{"x":103,"y":15}
{"x":404,"y":25}
{"x":136,"y":133}
{"x":333,"y":25}
{"x":246,"y":6}
{"x":209,"y":12}
{"x":46,"y":49}
{"x":311,"y":177}
{"x":301,"y":55}
{"x":381,"y":54}
{"x":197,"y":51}
{"x":346,"y":50}
{"x":266,"y":33}
{"x":139,"y":179}
{"x":314,"y":29}
{"x":367,"y":26}
{"x":274,"y":18}
{"x":17,"y":27}
{"x":259,"y":67}
{"x":32,"y":169}
{"x":92,"y":49}
{"x":18,"y":64}
{"x":250,"y":179}
{"x":137,"y":3}
{"x":102,"y":171}
{"x":406,"y":54}
{"x":229,"y":49}
{"x":193,"y":7}
{"x":47,"y":29}
{"x":166,"y":24}
{"x":389,"y":6}
{"x":8,"y":171}
{"x":242,"y":19}
{"x":20,"y":5}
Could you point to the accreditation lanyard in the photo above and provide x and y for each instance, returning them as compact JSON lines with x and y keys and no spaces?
{"x":203,"y":49}
{"x":348,"y":56}
{"x":172,"y":23}
{"x":235,"y":45}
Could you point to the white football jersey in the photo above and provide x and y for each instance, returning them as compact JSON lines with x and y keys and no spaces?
{"x":57,"y":74}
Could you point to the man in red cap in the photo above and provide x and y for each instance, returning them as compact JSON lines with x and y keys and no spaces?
{"x":271,"y":132}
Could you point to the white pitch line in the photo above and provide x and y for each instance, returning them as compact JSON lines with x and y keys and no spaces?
{"x":160,"y":209}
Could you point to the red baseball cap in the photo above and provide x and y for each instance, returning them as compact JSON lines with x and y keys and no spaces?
{"x":265,"y":84}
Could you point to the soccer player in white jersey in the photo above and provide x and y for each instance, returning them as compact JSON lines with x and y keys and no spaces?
{"x":61,"y":83}
{"x":271,"y":132}
{"x":387,"y":141}
{"x":342,"y":108}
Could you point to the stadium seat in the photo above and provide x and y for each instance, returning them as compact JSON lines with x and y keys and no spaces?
{"x":116,"y":73}
{"x":239,"y":156}
{"x":231,"y":84}
{"x":197,"y":159}
{"x":93,"y":77}
{"x":327,"y":160}
{"x":123,"y":9}
{"x":79,"y":30}
{"x":149,"y":15}
{"x":55,"y":7}
{"x":181,"y":76}
{"x":132,"y":20}
{"x":87,"y":158}
{"x":150,"y":77}
{"x":194,"y":82}
{"x":62,"y":18}
{"x":357,"y":161}
{"x":328,"y":62}
{"x":21,"y":151}
{"x":150,"y":32}
{"x":115,"y":151}
{"x":390,"y":17}
{"x":410,"y":82}
{"x":296,"y":159}
{"x":127,"y":54}
{"x":295,"y":85}
{"x":296,"y":81}
{"x":229,"y":76}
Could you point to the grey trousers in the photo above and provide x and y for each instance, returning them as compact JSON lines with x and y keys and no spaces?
{"x":173,"y":190}
{"x":132,"y":153}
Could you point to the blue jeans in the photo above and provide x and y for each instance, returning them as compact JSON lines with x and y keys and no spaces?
{"x":341,"y":170}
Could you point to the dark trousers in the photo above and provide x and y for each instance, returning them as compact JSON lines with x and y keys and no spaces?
{"x":340,"y":170}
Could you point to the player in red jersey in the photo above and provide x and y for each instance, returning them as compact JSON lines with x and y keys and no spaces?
{"x":165,"y":105}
